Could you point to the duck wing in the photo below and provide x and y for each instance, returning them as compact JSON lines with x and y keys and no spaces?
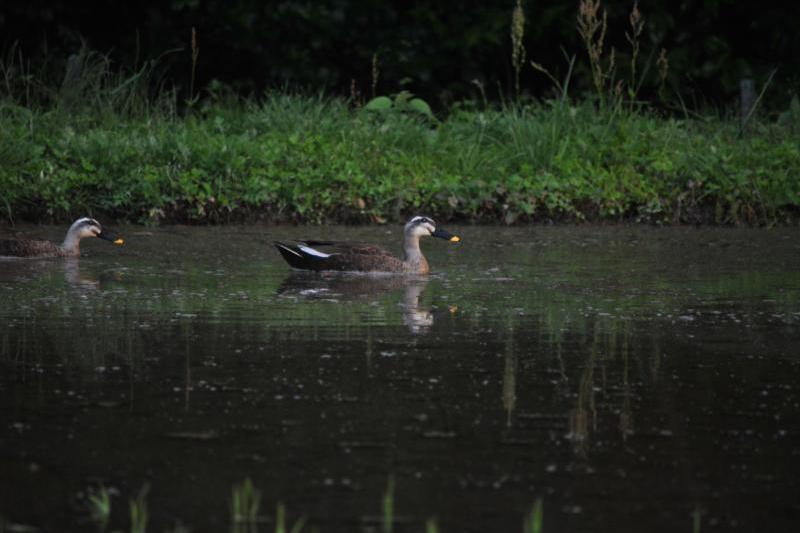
{"x":337,"y":255}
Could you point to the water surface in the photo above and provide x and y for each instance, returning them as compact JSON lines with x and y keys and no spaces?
{"x":628,"y":377}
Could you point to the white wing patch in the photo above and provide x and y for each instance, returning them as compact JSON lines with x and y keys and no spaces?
{"x":311,"y":251}
{"x":288,"y":249}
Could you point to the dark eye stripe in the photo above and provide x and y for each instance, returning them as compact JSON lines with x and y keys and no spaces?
{"x":423,"y":220}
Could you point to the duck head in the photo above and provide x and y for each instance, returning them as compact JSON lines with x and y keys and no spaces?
{"x":422,"y":226}
{"x":89,"y":227}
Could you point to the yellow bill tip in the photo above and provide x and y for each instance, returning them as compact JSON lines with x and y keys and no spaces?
{"x":119,"y":241}
{"x":455,"y":238}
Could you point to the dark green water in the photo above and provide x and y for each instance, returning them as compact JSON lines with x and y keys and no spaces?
{"x":629,"y":377}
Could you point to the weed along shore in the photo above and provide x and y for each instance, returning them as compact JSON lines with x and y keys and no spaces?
{"x":113,"y":141}
{"x":313,"y":159}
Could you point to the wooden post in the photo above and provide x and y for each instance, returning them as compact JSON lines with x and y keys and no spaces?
{"x":747,"y":99}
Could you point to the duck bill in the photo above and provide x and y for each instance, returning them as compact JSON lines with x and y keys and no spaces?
{"x":446,"y":235}
{"x":110,"y":237}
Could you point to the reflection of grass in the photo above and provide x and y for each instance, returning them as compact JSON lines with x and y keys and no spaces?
{"x":574,"y":271}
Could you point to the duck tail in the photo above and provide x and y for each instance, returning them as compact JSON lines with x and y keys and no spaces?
{"x":290,"y":253}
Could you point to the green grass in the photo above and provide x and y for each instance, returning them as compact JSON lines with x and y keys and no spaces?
{"x":103,"y":145}
{"x":388,"y":506}
{"x":247,"y":522}
{"x":534,"y":521}
{"x":245,"y":503}
{"x":138,"y":511}
{"x":99,"y":504}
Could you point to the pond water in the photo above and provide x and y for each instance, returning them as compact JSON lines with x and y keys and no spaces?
{"x":633,"y":378}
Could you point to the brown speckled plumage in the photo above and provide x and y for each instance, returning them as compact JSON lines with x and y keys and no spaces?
{"x":350,"y":256}
{"x":26,"y":248}
{"x":359,"y":257}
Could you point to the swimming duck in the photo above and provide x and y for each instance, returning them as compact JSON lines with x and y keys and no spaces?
{"x":358,"y":257}
{"x":83,"y":227}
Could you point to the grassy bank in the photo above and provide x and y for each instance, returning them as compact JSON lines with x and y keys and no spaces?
{"x":297,"y":158}
{"x":89,"y":137}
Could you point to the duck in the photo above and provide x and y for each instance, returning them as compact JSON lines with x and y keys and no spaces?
{"x":83,"y":227}
{"x":360,"y":257}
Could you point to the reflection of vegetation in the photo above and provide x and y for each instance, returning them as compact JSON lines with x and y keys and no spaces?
{"x":626,"y":413}
{"x":570,"y":287}
{"x":583,"y":417}
{"x":570,"y":312}
{"x":546,"y":304}
{"x":509,"y":375}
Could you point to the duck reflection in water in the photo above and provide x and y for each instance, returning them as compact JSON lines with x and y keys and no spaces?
{"x":19,"y":271}
{"x":337,"y":286}
{"x":75,"y":278}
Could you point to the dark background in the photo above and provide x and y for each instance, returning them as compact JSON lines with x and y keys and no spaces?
{"x":434,"y":49}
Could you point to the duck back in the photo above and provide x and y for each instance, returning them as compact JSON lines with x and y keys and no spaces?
{"x":23,"y":248}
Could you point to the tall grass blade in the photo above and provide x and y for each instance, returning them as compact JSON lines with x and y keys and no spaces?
{"x":388,"y":506}
{"x":245,"y":502}
{"x":100,"y":507}
{"x":280,"y":521}
{"x":533,"y":524}
{"x":139,"y":514}
{"x":431,"y":526}
{"x":697,"y":517}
